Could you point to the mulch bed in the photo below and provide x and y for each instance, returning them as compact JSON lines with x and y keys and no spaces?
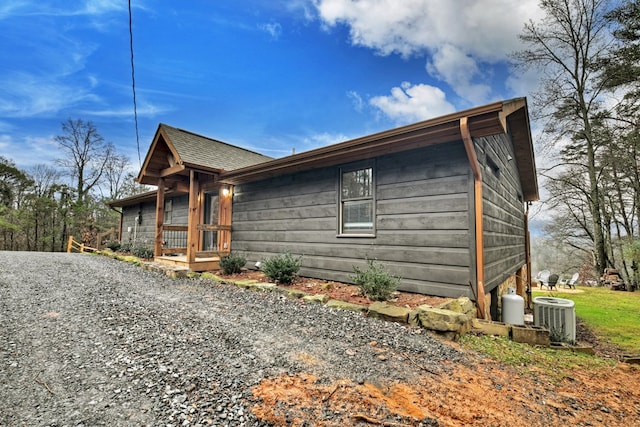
{"x":340,"y":291}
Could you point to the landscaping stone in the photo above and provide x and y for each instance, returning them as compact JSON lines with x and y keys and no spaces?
{"x":488,"y":327}
{"x":264,"y":287}
{"x":386,"y":311}
{"x":316,"y":299}
{"x":460,"y":305}
{"x":296,"y":293}
{"x":532,"y":335}
{"x":177,"y":273}
{"x":442,"y":320}
{"x":244,"y":283}
{"x":574,"y":348}
{"x":343,"y":305}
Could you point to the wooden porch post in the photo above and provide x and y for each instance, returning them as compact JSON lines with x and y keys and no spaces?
{"x":224,"y":218}
{"x":157,"y":247}
{"x":193,"y":218}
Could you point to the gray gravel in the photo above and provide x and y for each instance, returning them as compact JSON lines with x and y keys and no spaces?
{"x":87,"y":341}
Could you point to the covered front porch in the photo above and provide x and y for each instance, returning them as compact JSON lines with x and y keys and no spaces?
{"x":183,"y":163}
{"x":206,"y":237}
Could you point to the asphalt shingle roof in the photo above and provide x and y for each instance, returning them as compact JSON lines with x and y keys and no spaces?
{"x":199,"y":150}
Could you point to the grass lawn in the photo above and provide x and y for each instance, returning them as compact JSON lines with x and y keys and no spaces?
{"x":613,"y":315}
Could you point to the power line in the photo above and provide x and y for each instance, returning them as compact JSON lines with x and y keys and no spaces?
{"x":133,"y":86}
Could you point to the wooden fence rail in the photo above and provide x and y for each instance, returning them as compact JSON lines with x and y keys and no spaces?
{"x":73,"y":246}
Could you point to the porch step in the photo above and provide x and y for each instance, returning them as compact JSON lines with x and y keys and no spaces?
{"x":200,"y":264}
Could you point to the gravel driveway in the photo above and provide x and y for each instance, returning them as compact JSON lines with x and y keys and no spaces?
{"x":87,"y":340}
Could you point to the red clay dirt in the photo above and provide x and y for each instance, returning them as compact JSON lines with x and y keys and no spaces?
{"x":482,"y":392}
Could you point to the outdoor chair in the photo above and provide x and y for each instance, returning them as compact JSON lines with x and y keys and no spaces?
{"x":571,"y":283}
{"x":553,"y":279}
{"x":543,"y":278}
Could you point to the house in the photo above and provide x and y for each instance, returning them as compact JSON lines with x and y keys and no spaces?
{"x":441,"y":203}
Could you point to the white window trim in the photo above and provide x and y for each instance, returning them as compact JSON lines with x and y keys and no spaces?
{"x":370,"y":164}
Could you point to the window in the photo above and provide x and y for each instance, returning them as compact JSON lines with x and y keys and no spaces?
{"x":357,"y":201}
{"x":168,"y":211}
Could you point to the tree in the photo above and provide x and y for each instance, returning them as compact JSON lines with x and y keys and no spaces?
{"x":622,"y":68}
{"x":14,"y":184}
{"x":573,"y":36}
{"x":87,"y":158}
{"x":47,"y":217}
{"x":116,"y":176}
{"x":87,"y":155}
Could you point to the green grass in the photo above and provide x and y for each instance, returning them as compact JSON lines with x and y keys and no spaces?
{"x":558,"y":364}
{"x":612,"y":315}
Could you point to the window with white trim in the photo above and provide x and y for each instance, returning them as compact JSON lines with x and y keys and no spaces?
{"x":357,"y":200}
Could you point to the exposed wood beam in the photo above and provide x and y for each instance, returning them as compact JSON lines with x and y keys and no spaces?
{"x":224,"y":218}
{"x":172,"y":170}
{"x":180,"y":186}
{"x":193,"y":217}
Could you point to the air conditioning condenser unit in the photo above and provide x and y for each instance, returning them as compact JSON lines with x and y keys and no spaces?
{"x":558,"y":315}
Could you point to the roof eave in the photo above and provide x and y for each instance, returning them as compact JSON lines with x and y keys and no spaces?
{"x":483,"y":121}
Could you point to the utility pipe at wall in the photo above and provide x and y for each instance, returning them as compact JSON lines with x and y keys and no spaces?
{"x":479,"y":237}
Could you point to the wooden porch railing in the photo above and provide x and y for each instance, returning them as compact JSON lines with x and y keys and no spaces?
{"x":174,"y":238}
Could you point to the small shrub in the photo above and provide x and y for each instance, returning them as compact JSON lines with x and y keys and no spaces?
{"x":375,"y":282}
{"x":126,"y":247}
{"x":282,"y":268}
{"x":232,"y":263}
{"x":114,"y":245}
{"x":142,"y":252}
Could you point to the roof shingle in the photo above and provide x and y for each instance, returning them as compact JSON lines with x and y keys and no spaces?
{"x":194,"y":149}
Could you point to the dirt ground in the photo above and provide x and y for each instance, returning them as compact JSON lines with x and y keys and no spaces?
{"x":482,"y":392}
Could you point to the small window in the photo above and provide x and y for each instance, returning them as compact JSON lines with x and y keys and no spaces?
{"x":168,"y":211}
{"x":357,"y":201}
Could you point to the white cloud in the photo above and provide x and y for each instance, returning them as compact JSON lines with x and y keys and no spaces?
{"x":460,"y":39}
{"x":79,"y":8}
{"x":143,"y":110}
{"x":29,"y":151}
{"x":274,"y":29}
{"x":523,"y":82}
{"x":356,"y":100}
{"x":410,"y":103}
{"x":321,"y":140}
{"x":28,"y":95}
{"x":458,"y":69}
{"x":485,"y":29}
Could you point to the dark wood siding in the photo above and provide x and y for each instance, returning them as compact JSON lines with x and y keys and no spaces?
{"x":422,"y":221}
{"x":503,"y":206}
{"x":143,"y":234}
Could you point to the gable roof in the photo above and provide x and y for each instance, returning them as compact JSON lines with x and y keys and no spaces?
{"x":510,"y":117}
{"x":175,"y":151}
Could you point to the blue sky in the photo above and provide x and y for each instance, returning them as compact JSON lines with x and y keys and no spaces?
{"x":266,"y":75}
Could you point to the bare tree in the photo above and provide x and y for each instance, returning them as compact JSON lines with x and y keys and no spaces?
{"x":87,"y":155}
{"x":564,"y":46}
{"x":116,"y":175}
